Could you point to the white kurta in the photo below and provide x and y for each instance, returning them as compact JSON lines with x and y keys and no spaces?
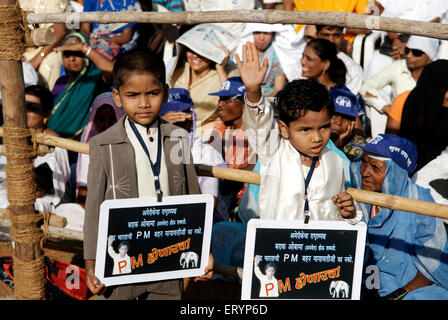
{"x":282,"y":186}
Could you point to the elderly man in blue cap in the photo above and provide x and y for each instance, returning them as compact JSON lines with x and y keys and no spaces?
{"x":409,"y":251}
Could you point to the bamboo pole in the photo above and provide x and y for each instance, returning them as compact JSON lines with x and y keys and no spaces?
{"x":228,"y":174}
{"x":29,"y":254}
{"x":54,"y":220}
{"x":384,"y":200}
{"x":376,"y":198}
{"x":400,"y":203}
{"x":56,"y":232}
{"x":341,"y":19}
{"x":68,"y":144}
{"x":53,"y":141}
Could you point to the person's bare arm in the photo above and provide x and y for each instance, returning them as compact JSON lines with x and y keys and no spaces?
{"x":221,"y":68}
{"x":92,"y":281}
{"x":418,"y":282}
{"x":288,"y":5}
{"x":392,"y":126}
{"x":124,"y":37}
{"x":279,"y":83}
{"x":60,"y":31}
{"x":85,"y":29}
{"x":105,"y":65}
{"x":208,"y":272}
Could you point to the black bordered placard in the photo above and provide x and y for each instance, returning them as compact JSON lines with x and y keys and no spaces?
{"x":142,"y":240}
{"x":293,"y":260}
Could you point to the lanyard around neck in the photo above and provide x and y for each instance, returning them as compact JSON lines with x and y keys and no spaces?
{"x":154,"y":166}
{"x":307,"y":182}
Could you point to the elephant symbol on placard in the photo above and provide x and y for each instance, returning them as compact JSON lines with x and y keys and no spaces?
{"x":339,"y":289}
{"x":189,"y":260}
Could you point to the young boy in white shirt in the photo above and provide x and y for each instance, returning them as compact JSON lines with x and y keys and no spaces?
{"x":122,"y":261}
{"x":268,"y":282}
{"x":294,"y":148}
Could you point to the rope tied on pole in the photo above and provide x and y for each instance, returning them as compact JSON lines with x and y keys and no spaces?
{"x":29,"y":276}
{"x":20,"y":181}
{"x":15,"y":35}
{"x":27,"y":279}
{"x":29,"y":234}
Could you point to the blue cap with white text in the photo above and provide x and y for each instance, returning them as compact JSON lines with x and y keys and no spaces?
{"x":402,"y":151}
{"x":232,"y":87}
{"x":345,"y":102}
{"x":178,"y":100}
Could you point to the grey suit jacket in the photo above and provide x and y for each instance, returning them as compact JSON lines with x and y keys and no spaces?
{"x":113,"y":148}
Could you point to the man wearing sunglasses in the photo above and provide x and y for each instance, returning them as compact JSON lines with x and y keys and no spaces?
{"x":401,"y":76}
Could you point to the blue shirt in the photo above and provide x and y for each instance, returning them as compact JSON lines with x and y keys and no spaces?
{"x":171,"y":5}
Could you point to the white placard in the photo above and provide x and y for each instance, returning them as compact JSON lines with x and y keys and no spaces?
{"x":318,"y":260}
{"x":164,"y":240}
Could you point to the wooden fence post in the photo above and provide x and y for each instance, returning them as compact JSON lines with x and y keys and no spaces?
{"x":29,"y":269}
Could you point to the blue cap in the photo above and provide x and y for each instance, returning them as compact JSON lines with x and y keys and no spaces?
{"x":345,"y":101}
{"x":402,"y":151}
{"x":232,"y":87}
{"x":178,"y":100}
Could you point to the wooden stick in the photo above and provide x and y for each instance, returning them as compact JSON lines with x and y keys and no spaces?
{"x":228,"y":174}
{"x":55,"y":220}
{"x":55,"y":232}
{"x":341,"y":19}
{"x":384,"y":200}
{"x":400,"y":203}
{"x":68,"y":144}
{"x":376,"y":198}
{"x":53,"y":141}
{"x":42,"y":36}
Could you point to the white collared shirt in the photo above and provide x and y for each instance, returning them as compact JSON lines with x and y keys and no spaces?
{"x":145,"y":176}
{"x":397,"y":75}
{"x":354,"y":75}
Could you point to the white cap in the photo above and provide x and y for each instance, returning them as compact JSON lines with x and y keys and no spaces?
{"x":430,"y":46}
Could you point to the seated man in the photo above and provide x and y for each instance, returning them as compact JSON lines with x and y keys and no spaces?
{"x":235,"y":147}
{"x":354,"y":76}
{"x":409,"y":250}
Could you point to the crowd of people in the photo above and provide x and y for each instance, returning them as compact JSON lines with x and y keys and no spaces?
{"x":287,"y":101}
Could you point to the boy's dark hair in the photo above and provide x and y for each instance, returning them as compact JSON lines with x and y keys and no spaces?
{"x":123,"y":243}
{"x":139,"y":61}
{"x":271,"y":265}
{"x":326,"y":50}
{"x":299,"y":96}
{"x":45,"y":96}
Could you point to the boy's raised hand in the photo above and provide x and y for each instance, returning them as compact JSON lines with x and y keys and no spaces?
{"x":250,"y":71}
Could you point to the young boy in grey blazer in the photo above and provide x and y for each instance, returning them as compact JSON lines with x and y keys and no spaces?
{"x":119,"y":167}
